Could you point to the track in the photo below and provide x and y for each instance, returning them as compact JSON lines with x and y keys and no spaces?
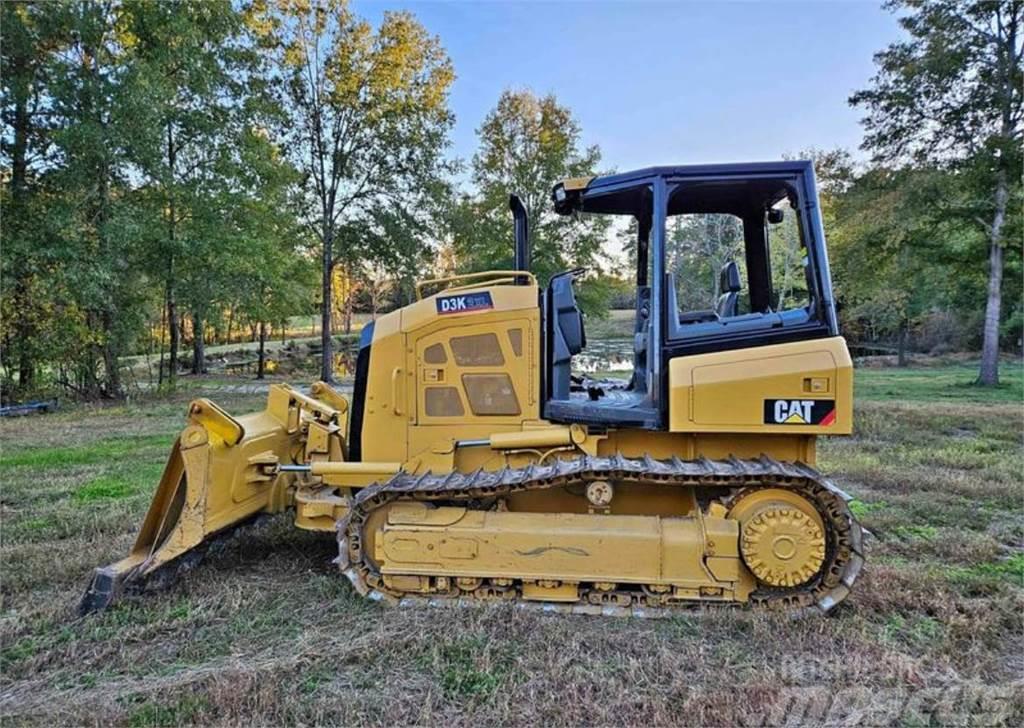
{"x":844,"y":539}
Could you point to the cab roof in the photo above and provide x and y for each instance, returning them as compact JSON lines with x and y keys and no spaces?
{"x":689,"y":170}
{"x":756,"y":187}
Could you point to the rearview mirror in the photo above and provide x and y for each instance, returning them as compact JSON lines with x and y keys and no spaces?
{"x":775,"y":215}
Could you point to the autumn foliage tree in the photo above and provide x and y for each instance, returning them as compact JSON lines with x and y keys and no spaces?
{"x":950,"y":95}
{"x":527,"y":144}
{"x":368,"y":120}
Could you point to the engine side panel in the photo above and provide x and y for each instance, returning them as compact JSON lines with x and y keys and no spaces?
{"x":799,"y":388}
{"x":454,"y":366}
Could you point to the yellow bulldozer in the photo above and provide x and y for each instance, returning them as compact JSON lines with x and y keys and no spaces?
{"x":474,"y":462}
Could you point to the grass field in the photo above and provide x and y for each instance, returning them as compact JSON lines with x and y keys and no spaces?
{"x":265,"y":631}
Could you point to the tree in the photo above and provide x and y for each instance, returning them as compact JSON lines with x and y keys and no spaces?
{"x":885,"y":243}
{"x":527,"y":144}
{"x":200,"y":80}
{"x":696,"y":248}
{"x":369,"y":119}
{"x":834,"y":171}
{"x":138,"y":165}
{"x":951,"y":95}
{"x":27,"y":42}
{"x":274,"y":282}
{"x":401,"y":242}
{"x":93,"y":215}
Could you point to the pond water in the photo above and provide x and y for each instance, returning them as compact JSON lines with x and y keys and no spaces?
{"x":605,"y":355}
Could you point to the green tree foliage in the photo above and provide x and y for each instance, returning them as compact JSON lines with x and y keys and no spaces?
{"x":903,"y":254}
{"x":268,"y":281}
{"x":368,"y":122}
{"x":950,"y":95}
{"x":141,"y":174}
{"x":92,"y":222}
{"x":28,"y":295}
{"x":198,"y":85}
{"x":527,"y":144}
{"x":881,"y":270}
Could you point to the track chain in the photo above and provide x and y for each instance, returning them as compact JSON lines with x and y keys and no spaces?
{"x":844,"y":556}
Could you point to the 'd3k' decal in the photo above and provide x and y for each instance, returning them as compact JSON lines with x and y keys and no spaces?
{"x":465,"y":303}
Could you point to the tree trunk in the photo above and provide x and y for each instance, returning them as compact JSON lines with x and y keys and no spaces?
{"x":901,"y":345}
{"x":110,"y":359}
{"x":174,"y":330}
{"x":172,"y":304}
{"x":91,"y":386}
{"x":326,"y":343}
{"x":25,"y":337}
{"x":19,"y":149}
{"x":1007,"y":39}
{"x":198,"y":345}
{"x":20,"y":67}
{"x":111,"y":345}
{"x":26,"y":368}
{"x":261,"y":364}
{"x":989,"y":374}
{"x":163,"y":330}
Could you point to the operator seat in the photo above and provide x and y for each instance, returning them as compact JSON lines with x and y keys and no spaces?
{"x":595,"y":403}
{"x":730,"y":285}
{"x":568,"y":336}
{"x":640,"y":334}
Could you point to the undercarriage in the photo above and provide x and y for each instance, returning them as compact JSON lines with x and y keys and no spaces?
{"x":759,"y":531}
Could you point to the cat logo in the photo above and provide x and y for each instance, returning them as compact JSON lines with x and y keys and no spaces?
{"x":821,"y":412}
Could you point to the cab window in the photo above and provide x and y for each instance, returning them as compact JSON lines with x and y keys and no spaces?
{"x":697,"y":247}
{"x":736,"y":258}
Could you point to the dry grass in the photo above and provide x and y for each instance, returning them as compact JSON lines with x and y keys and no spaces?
{"x":265,"y":630}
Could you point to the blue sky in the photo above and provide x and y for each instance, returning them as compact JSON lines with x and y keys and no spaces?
{"x":667,"y":82}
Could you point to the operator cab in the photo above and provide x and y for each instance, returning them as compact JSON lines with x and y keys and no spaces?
{"x":727,"y":257}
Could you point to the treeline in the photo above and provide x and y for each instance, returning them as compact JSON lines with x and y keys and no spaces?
{"x":910,"y":250}
{"x":936,"y":224}
{"x":176,"y":172}
{"x":144,"y":192}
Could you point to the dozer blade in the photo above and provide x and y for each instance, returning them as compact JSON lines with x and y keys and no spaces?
{"x":221,"y":472}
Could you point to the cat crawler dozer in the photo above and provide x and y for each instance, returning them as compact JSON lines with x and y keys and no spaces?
{"x":474,"y":461}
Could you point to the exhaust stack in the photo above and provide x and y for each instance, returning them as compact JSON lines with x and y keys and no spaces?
{"x":522,"y":233}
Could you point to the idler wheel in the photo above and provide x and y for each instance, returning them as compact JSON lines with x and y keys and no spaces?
{"x":782,"y":537}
